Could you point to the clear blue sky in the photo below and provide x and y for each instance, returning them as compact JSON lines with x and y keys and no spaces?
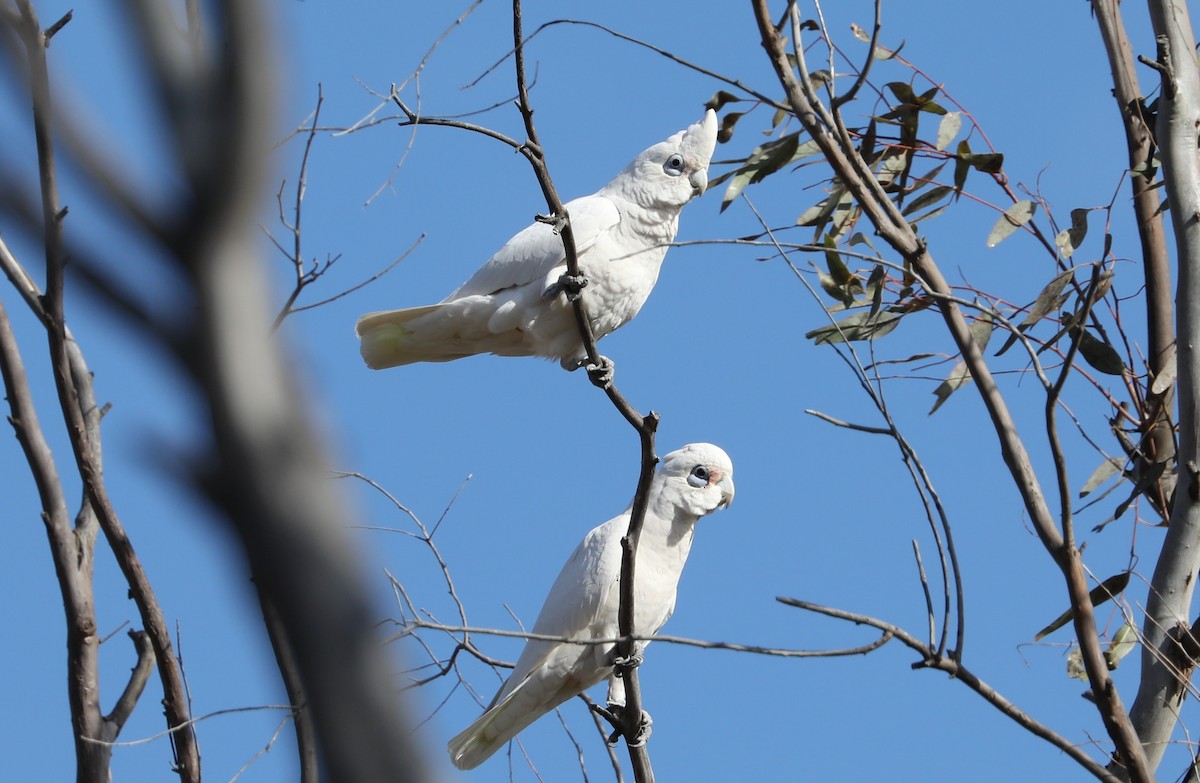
{"x":821,"y":514}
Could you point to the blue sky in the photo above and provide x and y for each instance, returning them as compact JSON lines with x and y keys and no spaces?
{"x":821,"y":514}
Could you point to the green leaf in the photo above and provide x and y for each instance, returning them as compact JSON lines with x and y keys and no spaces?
{"x":1070,"y":239}
{"x":1049,"y":300}
{"x":1108,"y":468}
{"x":1013,"y":218}
{"x":860,"y":238}
{"x":1075,"y":668}
{"x":840,"y":283}
{"x":1124,"y":641}
{"x":867,"y":147}
{"x":981,"y":332}
{"x":987,"y":162}
{"x":725,"y":132}
{"x":903,"y":92}
{"x":818,"y":214}
{"x":1148,"y":477}
{"x":1166,"y":376}
{"x":720,"y":98}
{"x":881,"y":52}
{"x":859,"y":326}
{"x":875,"y":286}
{"x":765,"y":160}
{"x":1109,"y":588}
{"x":930,"y":214}
{"x":927,"y":198}
{"x":1100,"y":355}
{"x":948,"y":128}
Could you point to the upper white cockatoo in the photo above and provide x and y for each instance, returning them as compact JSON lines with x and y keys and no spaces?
{"x":513,"y":306}
{"x":690,"y":483}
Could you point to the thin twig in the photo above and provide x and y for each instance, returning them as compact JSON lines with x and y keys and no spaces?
{"x":775,"y":652}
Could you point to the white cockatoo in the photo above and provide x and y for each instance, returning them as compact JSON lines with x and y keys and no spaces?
{"x":690,"y":483}
{"x":514,"y":305}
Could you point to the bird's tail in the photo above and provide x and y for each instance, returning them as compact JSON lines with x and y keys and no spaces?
{"x":494,"y":728}
{"x":390,"y":338}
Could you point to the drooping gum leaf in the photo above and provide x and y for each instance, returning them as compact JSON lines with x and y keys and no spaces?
{"x":1100,"y":355}
{"x":930,"y":214}
{"x":1068,"y":240}
{"x":859,"y":326}
{"x":1124,"y":641}
{"x":725,"y":132}
{"x":1108,"y":468}
{"x":948,"y":128}
{"x":765,"y":160}
{"x":1047,"y":302}
{"x":981,"y":332}
{"x":1075,"y":668}
{"x":1109,"y":588}
{"x":720,"y":98}
{"x":1013,"y":218}
{"x":927,"y":198}
{"x":903,"y":92}
{"x":957,"y":378}
{"x":1166,"y":376}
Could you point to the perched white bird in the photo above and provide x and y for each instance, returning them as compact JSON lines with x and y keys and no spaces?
{"x":513,"y":306}
{"x":691,"y":482}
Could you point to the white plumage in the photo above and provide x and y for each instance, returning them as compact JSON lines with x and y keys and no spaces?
{"x":690,"y":483}
{"x":510,"y":306}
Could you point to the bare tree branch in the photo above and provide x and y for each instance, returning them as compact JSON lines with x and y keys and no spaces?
{"x":956,"y":669}
{"x":77,"y":402}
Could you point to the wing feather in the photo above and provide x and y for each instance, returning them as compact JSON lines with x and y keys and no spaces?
{"x":535,"y":251}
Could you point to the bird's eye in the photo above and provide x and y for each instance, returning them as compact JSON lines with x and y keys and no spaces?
{"x":674,"y":165}
{"x":699,"y":476}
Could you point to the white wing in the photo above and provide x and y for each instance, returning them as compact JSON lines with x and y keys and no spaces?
{"x":548,"y":673}
{"x":535,"y":251}
{"x":583,"y":597}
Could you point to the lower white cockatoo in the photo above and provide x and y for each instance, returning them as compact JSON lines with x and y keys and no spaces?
{"x":515,"y":304}
{"x":690,"y":483}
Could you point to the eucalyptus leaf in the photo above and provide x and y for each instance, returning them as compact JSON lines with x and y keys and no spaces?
{"x":1049,"y":300}
{"x":1075,"y":668}
{"x":981,"y":333}
{"x":1013,"y":218}
{"x":1100,"y":355}
{"x":1068,"y":240}
{"x":1109,"y":588}
{"x":1124,"y":641}
{"x":948,"y":128}
{"x":928,"y":198}
{"x":1107,"y":469}
{"x":859,"y":326}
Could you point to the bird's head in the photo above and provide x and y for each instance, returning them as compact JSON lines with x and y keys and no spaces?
{"x":697,"y":478}
{"x":674,"y":171}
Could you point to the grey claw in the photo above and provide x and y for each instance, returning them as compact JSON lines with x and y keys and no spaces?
{"x":567,"y":284}
{"x":602,"y":374}
{"x":632,"y":662}
{"x":644,"y":730}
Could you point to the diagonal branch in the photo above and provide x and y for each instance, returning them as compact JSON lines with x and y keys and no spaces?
{"x":957,"y":670}
{"x":828,"y":131}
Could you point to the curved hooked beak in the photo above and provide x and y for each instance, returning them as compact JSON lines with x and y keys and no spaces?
{"x":699,"y":180}
{"x":726,"y":485}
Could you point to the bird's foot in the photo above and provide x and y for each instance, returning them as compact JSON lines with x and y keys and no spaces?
{"x":622,"y":664}
{"x":615,"y":714}
{"x":602,"y":374}
{"x":567,"y":284}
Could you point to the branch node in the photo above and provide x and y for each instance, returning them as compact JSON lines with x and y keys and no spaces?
{"x":54,"y":28}
{"x":1163,"y":65}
